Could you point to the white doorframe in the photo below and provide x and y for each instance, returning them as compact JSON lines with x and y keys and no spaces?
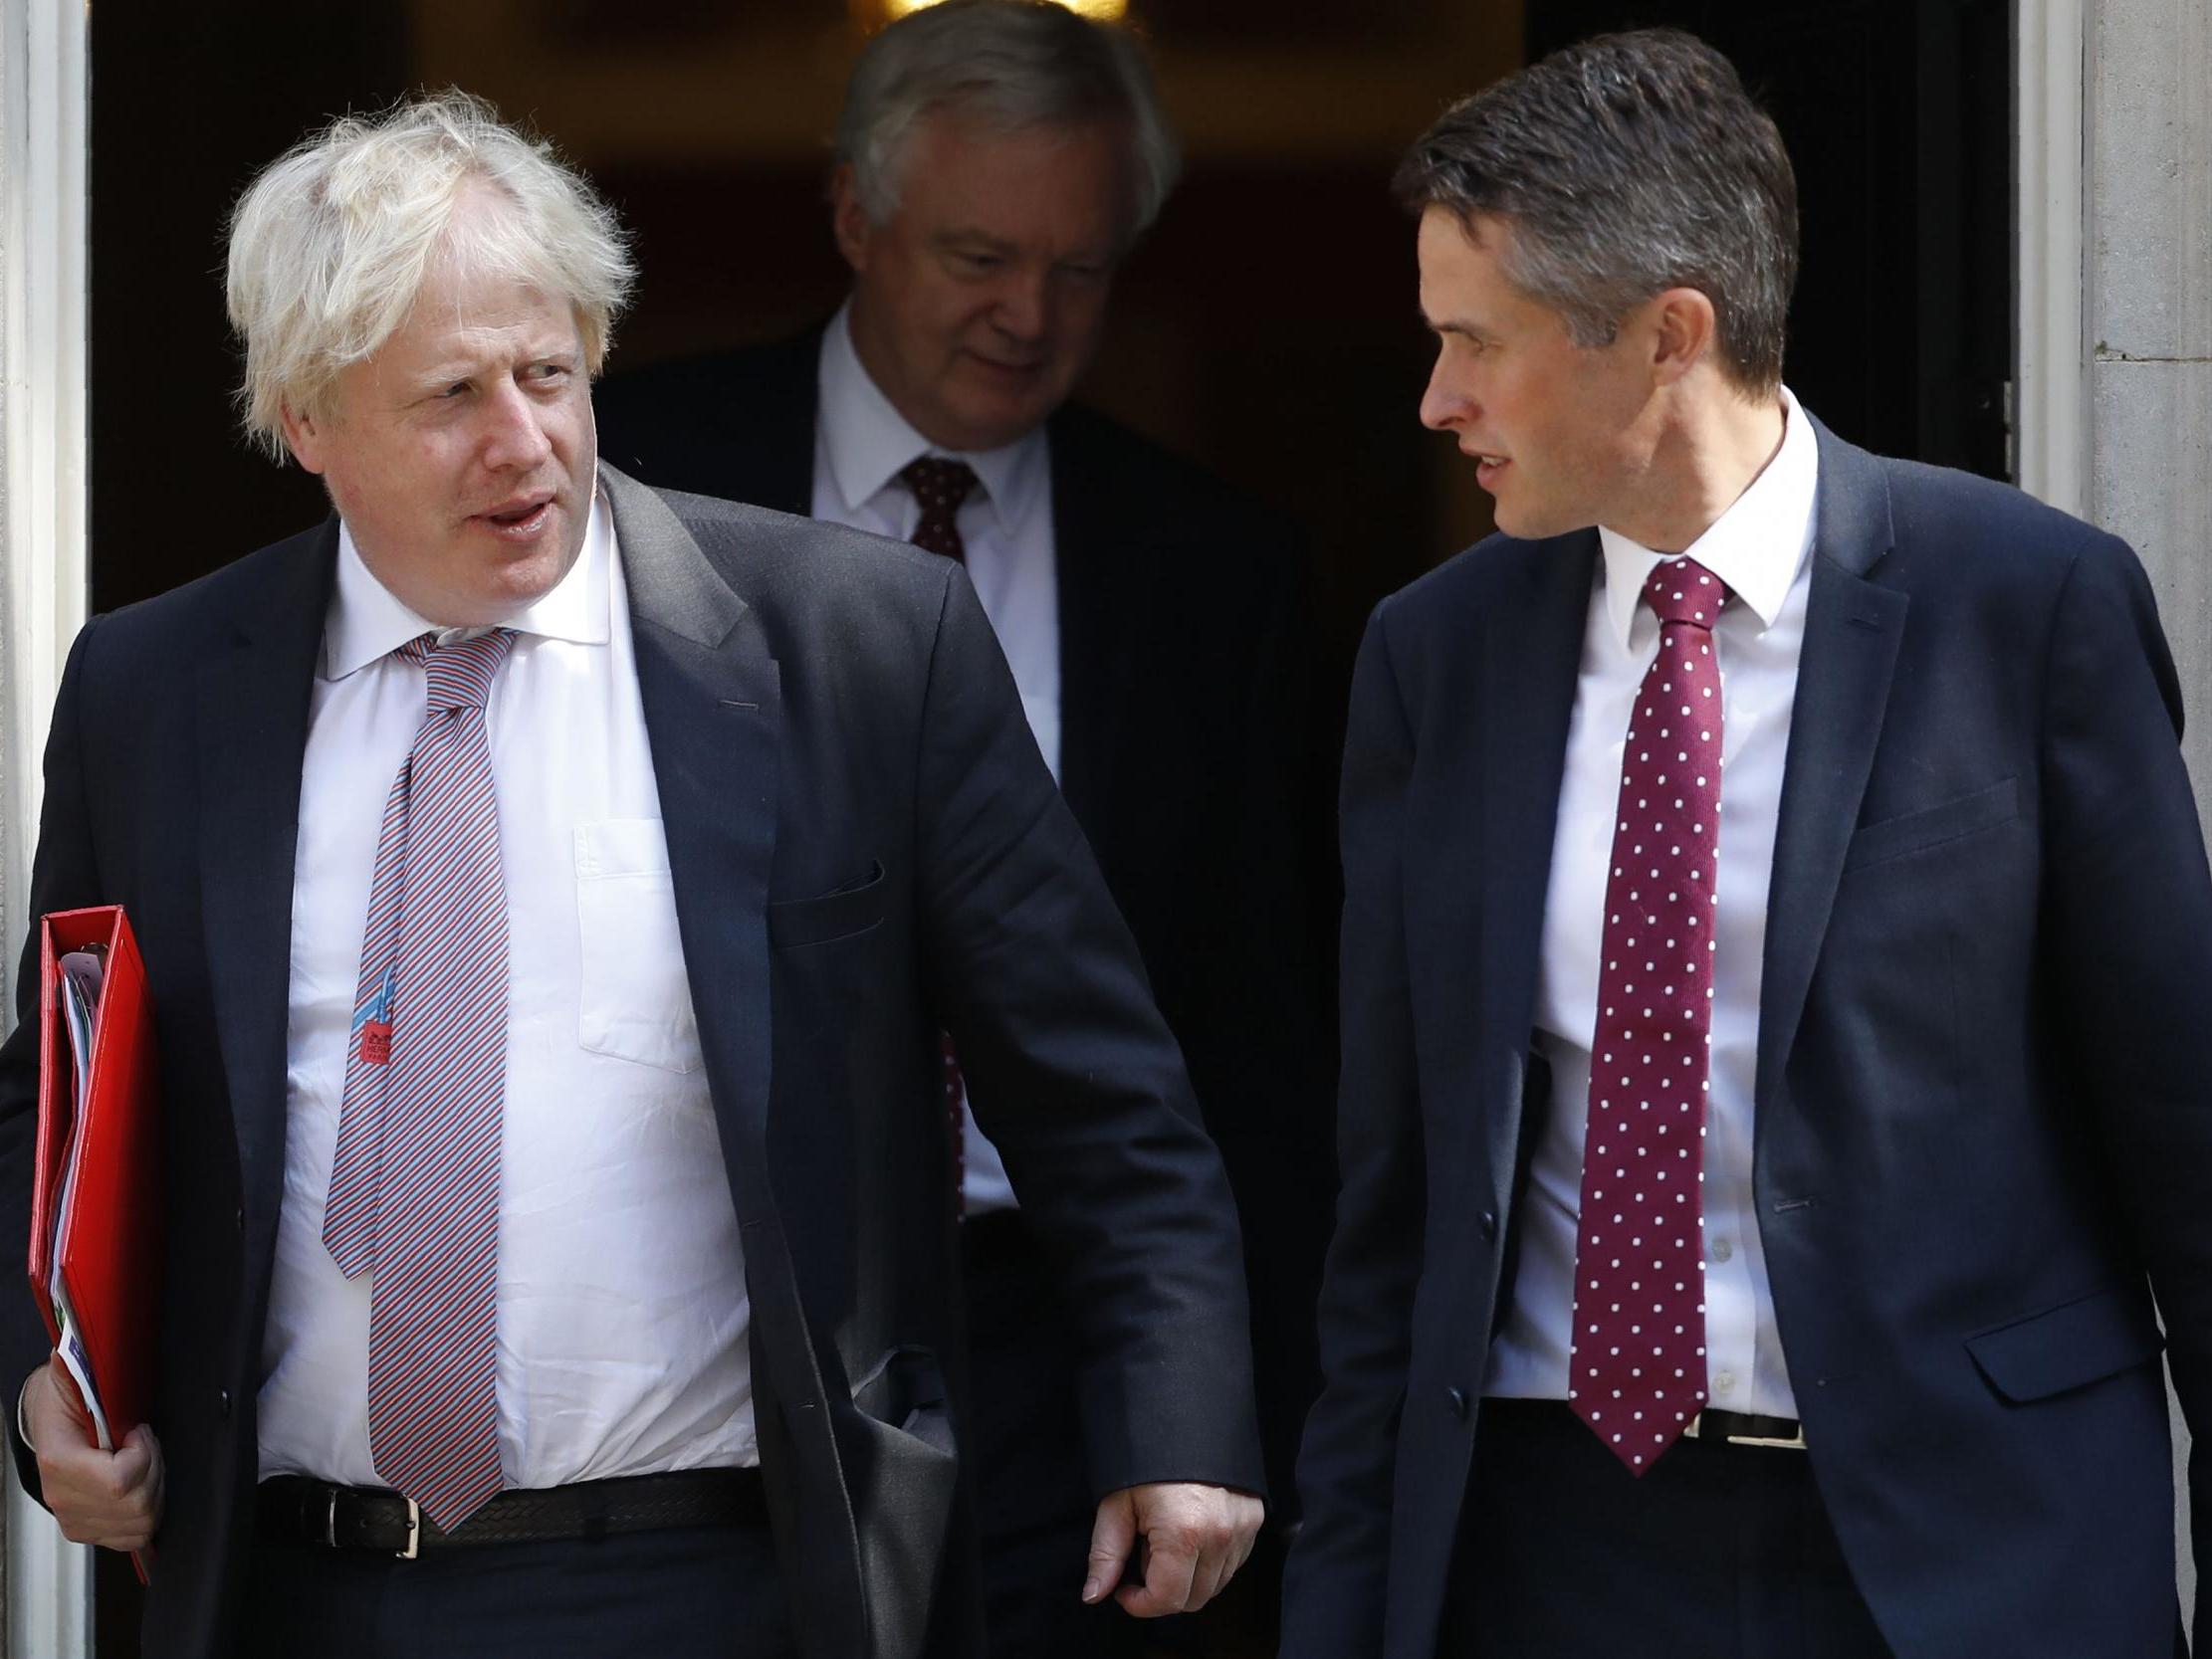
{"x":44,"y":258}
{"x":2051,"y":417}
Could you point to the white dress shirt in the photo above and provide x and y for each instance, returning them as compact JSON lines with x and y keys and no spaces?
{"x":623,"y":1309}
{"x":861,"y":443}
{"x":1760,"y":547}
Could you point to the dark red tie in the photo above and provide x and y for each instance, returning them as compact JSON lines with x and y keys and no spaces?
{"x":939,"y":485}
{"x":1637,"y":1369}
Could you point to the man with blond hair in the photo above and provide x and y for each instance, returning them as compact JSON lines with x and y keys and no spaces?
{"x":551,"y":893}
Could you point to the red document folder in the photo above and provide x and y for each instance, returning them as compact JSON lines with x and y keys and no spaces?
{"x":96,"y":1221}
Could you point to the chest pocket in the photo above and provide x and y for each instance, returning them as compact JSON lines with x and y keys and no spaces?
{"x":633,"y":1000}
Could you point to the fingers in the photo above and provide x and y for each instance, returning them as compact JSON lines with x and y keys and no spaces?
{"x":1195,"y":1538}
{"x":112,"y":1498}
{"x":157,"y":1482}
{"x":1171,"y":1567}
{"x":1113,"y":1534}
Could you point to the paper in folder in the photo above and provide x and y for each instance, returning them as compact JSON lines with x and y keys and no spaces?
{"x":96,"y":1222}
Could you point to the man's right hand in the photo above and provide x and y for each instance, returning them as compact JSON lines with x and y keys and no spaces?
{"x":106,"y":1498}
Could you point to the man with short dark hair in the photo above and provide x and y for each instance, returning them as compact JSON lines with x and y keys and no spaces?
{"x":1777,"y":979}
{"x":996,"y":159}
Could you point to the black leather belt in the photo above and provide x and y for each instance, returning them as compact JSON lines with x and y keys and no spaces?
{"x":300,"y":1511}
{"x":1714,"y":1428}
{"x":1742,"y":1428}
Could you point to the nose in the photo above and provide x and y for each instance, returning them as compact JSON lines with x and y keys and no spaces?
{"x":1023,"y":307}
{"x":1443,"y":406}
{"x":514,"y":434}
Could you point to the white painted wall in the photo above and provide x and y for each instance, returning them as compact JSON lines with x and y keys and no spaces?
{"x":42,"y":262}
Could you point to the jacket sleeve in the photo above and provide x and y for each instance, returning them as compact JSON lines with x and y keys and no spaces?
{"x":1078,"y":1083}
{"x":63,"y":876}
{"x":1338,"y":1570}
{"x":2128,"y":947}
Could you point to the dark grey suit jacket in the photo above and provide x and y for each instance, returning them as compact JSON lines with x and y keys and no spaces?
{"x":1187,"y":752}
{"x":1984,"y":1073}
{"x":865,"y":848}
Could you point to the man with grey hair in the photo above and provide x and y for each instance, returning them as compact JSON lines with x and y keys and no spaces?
{"x":996,"y":161}
{"x":1778,"y":980}
{"x":551,"y":892}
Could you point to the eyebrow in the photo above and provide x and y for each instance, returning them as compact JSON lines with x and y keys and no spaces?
{"x":971,"y":237}
{"x":1450,"y":325}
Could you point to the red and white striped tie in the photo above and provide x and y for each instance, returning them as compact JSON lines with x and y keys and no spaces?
{"x":415,"y":1186}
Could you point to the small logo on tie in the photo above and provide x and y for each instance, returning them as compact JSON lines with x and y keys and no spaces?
{"x":372,"y":1022}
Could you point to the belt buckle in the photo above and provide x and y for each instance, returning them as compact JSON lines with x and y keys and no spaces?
{"x":414,"y":1530}
{"x":1796,"y":1443}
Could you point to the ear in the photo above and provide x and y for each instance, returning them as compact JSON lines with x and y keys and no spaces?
{"x":848,"y":220}
{"x":304,"y":436}
{"x":1683,"y":330}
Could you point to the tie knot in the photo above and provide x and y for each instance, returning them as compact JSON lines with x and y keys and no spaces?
{"x":939,"y":485}
{"x":1683,"y":590}
{"x":459,"y":675}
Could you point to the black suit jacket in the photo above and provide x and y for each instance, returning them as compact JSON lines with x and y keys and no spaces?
{"x":1984,"y":1073}
{"x":1186,"y":754}
{"x":865,"y":846}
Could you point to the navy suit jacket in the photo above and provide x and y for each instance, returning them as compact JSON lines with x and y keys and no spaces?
{"x":867,"y":848}
{"x":1984,"y":1073}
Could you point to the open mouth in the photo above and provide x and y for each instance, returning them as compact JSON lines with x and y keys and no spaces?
{"x":1488,"y":467}
{"x":522,"y":518}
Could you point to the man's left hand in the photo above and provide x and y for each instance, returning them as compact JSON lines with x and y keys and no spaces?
{"x":1195,"y":1538}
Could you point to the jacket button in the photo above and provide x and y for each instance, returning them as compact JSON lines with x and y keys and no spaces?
{"x":1456,"y":1398}
{"x":1489,"y":1225}
{"x":222,"y":1402}
{"x":238,"y":1218}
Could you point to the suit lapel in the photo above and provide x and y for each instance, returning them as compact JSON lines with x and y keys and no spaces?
{"x":712,"y":695}
{"x":1103,"y":563}
{"x":1531,"y":656}
{"x":714,"y":719}
{"x":253,"y":733}
{"x":1852,"y":628}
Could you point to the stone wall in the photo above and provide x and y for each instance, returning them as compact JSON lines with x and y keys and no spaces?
{"x":2147,"y":318}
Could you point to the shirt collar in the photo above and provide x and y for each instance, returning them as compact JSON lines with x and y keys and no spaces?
{"x":869,"y":442}
{"x":367,"y":620}
{"x":1757,"y":547}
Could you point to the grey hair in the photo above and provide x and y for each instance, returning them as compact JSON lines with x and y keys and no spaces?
{"x":1627,"y":165}
{"x":331,"y":246}
{"x":1014,"y":66}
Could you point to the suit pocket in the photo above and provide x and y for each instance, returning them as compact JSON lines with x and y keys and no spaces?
{"x":1916,"y":832}
{"x":900,"y":1475}
{"x":633,"y":998}
{"x":2071,"y":1345}
{"x":852,"y":909}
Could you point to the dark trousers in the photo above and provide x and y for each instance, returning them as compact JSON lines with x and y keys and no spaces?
{"x":1033,"y":1502}
{"x":1718,"y":1553}
{"x":698,"y":1592}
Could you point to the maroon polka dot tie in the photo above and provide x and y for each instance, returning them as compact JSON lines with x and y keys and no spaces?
{"x":1637,"y":1371}
{"x":939,"y":485}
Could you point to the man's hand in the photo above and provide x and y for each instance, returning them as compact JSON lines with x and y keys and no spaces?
{"x":106,"y":1498}
{"x":1195,"y":1538}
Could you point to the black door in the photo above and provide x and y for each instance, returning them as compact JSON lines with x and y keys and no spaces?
{"x":1897,"y":114}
